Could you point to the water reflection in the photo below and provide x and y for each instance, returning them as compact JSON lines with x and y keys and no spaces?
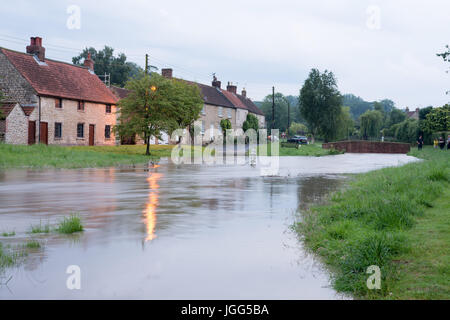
{"x":152,"y":205}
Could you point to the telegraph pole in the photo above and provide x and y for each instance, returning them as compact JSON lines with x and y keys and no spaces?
{"x":146,"y":63}
{"x":273,"y":108}
{"x":289,"y":115}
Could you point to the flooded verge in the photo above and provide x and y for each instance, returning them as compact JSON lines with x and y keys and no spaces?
{"x":173,"y":232}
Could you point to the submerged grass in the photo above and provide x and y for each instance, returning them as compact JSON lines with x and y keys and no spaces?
{"x":40,"y":228}
{"x":71,"y":224}
{"x":386,"y":216}
{"x":8,"y":234}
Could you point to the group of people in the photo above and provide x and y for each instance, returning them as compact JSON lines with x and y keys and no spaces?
{"x":437,"y":142}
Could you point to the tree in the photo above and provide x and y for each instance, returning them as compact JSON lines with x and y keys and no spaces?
{"x":371,"y":123}
{"x":406,"y":131}
{"x":320,"y":103}
{"x":186,"y":105}
{"x":250,"y":123}
{"x":345,"y":124}
{"x":298,"y":128}
{"x":396,"y":116}
{"x":357,"y":105}
{"x":225,"y":124}
{"x":281,"y":111}
{"x":156,"y":104}
{"x":437,"y":120}
{"x":106,"y":63}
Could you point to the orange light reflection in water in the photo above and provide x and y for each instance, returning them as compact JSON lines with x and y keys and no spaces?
{"x":152,"y":205}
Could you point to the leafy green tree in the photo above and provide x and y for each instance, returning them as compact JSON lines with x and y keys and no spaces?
{"x":320,"y":104}
{"x":445,"y":56}
{"x":357,"y":105}
{"x":345,"y":124}
{"x":250,"y":123}
{"x":106,"y":63}
{"x":281,"y":111}
{"x":186,"y":105}
{"x":225,"y":124}
{"x":298,"y":128}
{"x":406,"y":131}
{"x":396,"y":116}
{"x":437,"y":120}
{"x":424,"y":112}
{"x":156,"y":104}
{"x":371,"y":123}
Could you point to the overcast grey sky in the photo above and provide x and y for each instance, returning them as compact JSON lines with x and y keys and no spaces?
{"x":377,"y":49}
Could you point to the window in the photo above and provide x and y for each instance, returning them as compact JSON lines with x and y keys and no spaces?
{"x":203,"y":110}
{"x":58,"y":103}
{"x":80,"y":105}
{"x":108,"y":108}
{"x":220,"y":112}
{"x":58,"y":130}
{"x":203,"y":127}
{"x":80,"y":130}
{"x":229,"y":113}
{"x":107,"y":132}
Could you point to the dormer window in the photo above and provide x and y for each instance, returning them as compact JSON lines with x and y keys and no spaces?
{"x":80,"y":105}
{"x":58,"y":103}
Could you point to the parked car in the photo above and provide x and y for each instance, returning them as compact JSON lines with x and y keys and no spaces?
{"x":298,"y":140}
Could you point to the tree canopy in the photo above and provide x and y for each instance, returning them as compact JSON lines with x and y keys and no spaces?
{"x":437,"y":120}
{"x":320,"y":103}
{"x":156,"y":104}
{"x":250,"y":123}
{"x":106,"y":63}
{"x":281,"y":111}
{"x":371,"y":123}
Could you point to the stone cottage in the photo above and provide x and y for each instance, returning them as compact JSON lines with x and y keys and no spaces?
{"x":53,"y":102}
{"x":222,"y":104}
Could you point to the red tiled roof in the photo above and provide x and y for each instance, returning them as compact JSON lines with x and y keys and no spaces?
{"x":6,"y":108}
{"x":234,"y":99}
{"x":59,"y":79}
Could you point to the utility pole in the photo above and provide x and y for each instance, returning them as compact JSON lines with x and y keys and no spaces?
{"x":273,"y":108}
{"x":146,"y":63}
{"x":289,"y":115}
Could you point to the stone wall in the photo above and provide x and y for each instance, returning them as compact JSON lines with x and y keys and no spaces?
{"x":16,"y":127}
{"x":369,"y":147}
{"x":70,"y":116}
{"x":2,"y":130}
{"x":211,"y":118}
{"x":14,"y":85}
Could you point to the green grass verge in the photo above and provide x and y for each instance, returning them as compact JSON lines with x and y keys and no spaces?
{"x":311,"y":150}
{"x":394,"y":218}
{"x":41,"y":156}
{"x":69,"y":225}
{"x":40,"y":228}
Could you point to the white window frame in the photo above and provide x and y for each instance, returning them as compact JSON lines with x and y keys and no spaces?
{"x":220,"y":112}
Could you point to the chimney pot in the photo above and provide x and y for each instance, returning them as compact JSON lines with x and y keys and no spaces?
{"x":216,"y":83}
{"x":36,"y":48}
{"x":231,"y":88}
{"x":167,"y":73}
{"x":88,"y":62}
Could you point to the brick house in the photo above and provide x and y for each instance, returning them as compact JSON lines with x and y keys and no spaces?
{"x":54,"y":102}
{"x":412,"y":114}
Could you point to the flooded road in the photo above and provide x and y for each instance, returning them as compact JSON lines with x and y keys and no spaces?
{"x":173,"y":232}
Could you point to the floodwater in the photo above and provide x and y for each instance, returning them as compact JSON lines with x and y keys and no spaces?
{"x":173,"y":232}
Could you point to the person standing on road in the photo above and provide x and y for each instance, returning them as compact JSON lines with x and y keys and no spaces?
{"x":420,"y":143}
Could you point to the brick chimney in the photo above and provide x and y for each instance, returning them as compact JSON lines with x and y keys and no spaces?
{"x":36,"y":48}
{"x":167,"y":73}
{"x":407,"y":109}
{"x":88,"y":62}
{"x":231,"y":88}
{"x":244,"y":93}
{"x":215,"y":83}
{"x":417,"y":110}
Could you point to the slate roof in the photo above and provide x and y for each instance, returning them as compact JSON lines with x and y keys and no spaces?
{"x":120,"y":93}
{"x":250,"y":105}
{"x":60,"y":79}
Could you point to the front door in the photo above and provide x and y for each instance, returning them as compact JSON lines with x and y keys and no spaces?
{"x":91,"y":134}
{"x":43,"y":132}
{"x":31,"y":132}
